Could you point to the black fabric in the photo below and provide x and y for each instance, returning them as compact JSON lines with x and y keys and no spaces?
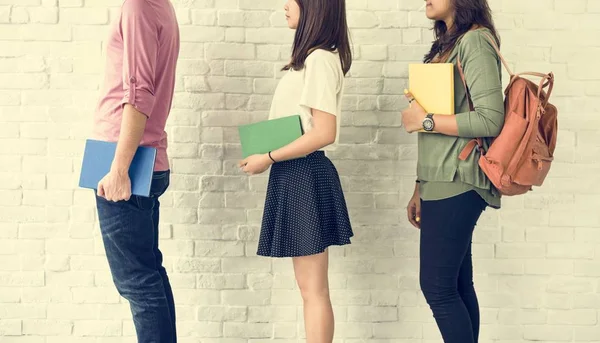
{"x":305,"y":209}
{"x":446,"y":269}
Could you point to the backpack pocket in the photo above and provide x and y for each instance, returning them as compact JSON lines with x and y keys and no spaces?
{"x":536,"y":166}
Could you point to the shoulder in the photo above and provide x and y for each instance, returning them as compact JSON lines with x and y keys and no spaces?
{"x":322,"y":58}
{"x":134,"y":4}
{"x":137,"y":8}
{"x":477,"y":39}
{"x":140,"y":13}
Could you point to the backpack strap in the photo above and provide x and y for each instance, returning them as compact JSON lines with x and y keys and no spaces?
{"x":464,"y":82}
{"x":495,"y":46}
{"x":477,"y":142}
{"x":468,"y":149}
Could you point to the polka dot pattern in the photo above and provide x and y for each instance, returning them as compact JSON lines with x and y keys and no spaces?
{"x":305,"y":209}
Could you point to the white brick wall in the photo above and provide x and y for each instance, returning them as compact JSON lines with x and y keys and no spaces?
{"x":537,"y":260}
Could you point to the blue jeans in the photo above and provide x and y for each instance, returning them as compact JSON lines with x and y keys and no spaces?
{"x":130,"y":235}
{"x":446,"y":266}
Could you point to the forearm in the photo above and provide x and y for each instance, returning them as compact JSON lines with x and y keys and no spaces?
{"x":446,"y":124}
{"x":322,"y":134}
{"x":485,"y":122}
{"x":132,"y":130}
{"x":306,"y":144}
{"x":472,"y":125}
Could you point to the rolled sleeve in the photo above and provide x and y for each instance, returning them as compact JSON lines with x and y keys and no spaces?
{"x":482,"y":73}
{"x":140,"y":48}
{"x":321,"y":83}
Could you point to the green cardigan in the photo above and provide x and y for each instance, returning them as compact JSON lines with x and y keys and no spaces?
{"x":441,"y":173}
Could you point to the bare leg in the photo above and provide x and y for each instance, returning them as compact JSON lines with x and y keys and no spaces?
{"x":311,"y":275}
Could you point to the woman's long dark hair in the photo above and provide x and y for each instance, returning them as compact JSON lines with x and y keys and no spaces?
{"x":322,"y":25}
{"x":467,"y":13}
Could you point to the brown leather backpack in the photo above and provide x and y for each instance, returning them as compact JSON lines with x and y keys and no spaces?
{"x":520,"y":157}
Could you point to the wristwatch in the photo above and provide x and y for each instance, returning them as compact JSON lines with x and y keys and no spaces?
{"x":428,"y":123}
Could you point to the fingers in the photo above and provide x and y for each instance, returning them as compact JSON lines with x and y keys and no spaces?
{"x":410,"y":213}
{"x":105,"y":192}
{"x":246,"y":170}
{"x":110,"y":196}
{"x":413,"y":222}
{"x":418,"y":214}
{"x":244,"y":161}
{"x":414,"y":214}
{"x":410,"y":97}
{"x":101,"y":190}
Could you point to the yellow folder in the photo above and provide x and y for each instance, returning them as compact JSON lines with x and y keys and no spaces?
{"x":432,"y":85}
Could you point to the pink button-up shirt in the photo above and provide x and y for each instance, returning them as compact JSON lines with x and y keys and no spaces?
{"x":142,"y":53}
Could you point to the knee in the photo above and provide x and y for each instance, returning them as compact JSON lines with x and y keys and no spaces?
{"x":313,"y":292}
{"x":438,"y":292}
{"x":466,"y":287}
{"x":140,"y":285}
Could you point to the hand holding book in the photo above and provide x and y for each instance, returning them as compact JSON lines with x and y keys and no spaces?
{"x":431,"y":85}
{"x":255,"y":164}
{"x":413,"y":116}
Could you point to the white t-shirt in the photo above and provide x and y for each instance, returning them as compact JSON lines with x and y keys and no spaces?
{"x":319,"y":85}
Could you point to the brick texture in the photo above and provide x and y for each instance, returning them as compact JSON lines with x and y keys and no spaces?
{"x":537,"y":261}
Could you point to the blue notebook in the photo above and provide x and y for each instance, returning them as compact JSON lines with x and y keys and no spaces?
{"x":98,"y":157}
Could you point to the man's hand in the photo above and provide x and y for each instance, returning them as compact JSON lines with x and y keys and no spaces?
{"x":115,"y":186}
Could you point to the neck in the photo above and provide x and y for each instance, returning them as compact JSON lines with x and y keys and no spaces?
{"x":449,"y":23}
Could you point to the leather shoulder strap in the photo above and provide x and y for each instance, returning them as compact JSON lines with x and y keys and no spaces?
{"x":464,"y":82}
{"x":495,"y":46}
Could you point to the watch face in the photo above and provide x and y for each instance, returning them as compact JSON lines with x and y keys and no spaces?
{"x":428,"y":124}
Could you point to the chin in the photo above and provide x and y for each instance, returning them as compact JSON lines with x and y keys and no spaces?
{"x":430,"y":15}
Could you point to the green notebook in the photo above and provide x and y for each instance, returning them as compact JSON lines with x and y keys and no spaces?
{"x":269,"y":135}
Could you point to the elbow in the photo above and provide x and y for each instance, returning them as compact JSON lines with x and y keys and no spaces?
{"x":326,"y":137}
{"x":332,"y":137}
{"x":494,"y":131}
{"x":141,"y":99}
{"x":486,"y":131}
{"x":329,"y":139}
{"x":482,"y":124}
{"x":495,"y":126}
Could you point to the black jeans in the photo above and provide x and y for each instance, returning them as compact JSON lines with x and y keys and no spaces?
{"x":130,"y":236}
{"x":446,"y":274}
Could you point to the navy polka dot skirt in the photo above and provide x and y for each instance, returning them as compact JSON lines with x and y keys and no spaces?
{"x":305,"y":209}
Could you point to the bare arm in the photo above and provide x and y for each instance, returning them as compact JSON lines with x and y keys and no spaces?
{"x":319,"y":95}
{"x":132,"y":130}
{"x":323,"y":134}
{"x":446,"y":124}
